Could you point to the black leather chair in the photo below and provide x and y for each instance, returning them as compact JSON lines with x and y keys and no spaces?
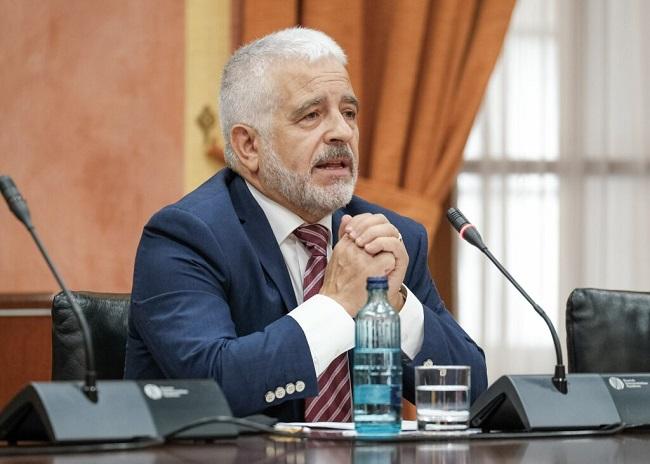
{"x":107,"y":315}
{"x":608,"y":331}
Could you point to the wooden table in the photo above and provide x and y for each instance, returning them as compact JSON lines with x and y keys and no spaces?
{"x":621,"y":448}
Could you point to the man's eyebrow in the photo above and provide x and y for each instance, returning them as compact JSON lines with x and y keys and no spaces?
{"x":298,"y":112}
{"x":305,"y":106}
{"x":352,"y":100}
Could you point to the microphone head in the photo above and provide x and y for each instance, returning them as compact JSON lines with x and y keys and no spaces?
{"x":456,"y":218}
{"x":16,"y":202}
{"x":466,"y":229}
{"x":6,"y":186}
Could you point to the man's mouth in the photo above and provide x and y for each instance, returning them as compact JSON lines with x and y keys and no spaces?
{"x":335,"y":164}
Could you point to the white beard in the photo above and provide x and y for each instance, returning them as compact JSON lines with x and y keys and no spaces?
{"x":300,"y":191}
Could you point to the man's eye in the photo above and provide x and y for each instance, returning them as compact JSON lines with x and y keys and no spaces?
{"x":310,"y":116}
{"x":350,"y":114}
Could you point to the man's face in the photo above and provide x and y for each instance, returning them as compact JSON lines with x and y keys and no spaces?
{"x":309,"y":164}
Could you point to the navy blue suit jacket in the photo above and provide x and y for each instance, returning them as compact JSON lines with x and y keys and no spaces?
{"x":211,"y":294}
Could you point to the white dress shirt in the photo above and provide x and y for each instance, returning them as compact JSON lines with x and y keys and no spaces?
{"x":327,"y":326}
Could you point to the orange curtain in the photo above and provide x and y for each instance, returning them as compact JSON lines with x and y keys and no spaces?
{"x":420,"y":69}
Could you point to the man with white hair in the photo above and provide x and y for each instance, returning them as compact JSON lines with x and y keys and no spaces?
{"x":254,"y":278}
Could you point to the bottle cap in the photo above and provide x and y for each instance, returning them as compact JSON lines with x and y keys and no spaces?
{"x":377,"y":283}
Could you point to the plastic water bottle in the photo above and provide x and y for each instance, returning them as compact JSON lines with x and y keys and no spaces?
{"x":377,"y":368}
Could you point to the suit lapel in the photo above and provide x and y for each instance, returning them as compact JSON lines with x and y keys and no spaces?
{"x":261,"y":236}
{"x":336,"y":222}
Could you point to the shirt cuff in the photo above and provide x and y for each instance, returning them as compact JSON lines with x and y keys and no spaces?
{"x":411,"y":325}
{"x":328,"y":328}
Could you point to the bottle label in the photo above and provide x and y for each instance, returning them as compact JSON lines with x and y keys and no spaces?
{"x":375,"y":394}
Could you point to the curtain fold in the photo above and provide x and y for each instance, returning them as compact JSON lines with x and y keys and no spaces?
{"x":483,"y":32}
{"x":420,"y":69}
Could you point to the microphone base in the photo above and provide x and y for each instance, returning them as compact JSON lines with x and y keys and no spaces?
{"x":60,"y":412}
{"x":531,"y":403}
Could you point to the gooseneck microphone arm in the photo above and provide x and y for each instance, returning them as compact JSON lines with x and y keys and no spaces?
{"x":536,"y":307}
{"x":469,"y":233}
{"x":19,"y":207}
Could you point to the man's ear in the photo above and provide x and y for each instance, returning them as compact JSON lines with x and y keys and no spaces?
{"x":246,"y":143}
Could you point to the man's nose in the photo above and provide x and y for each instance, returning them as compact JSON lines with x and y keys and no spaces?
{"x":339,"y":129}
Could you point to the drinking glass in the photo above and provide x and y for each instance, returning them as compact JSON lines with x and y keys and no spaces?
{"x":442,"y":397}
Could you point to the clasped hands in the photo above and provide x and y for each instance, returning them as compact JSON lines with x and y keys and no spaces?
{"x":368,"y":246}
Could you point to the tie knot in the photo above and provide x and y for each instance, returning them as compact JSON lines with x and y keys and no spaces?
{"x":314,"y":237}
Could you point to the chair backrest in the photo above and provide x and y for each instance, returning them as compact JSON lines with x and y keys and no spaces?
{"x":107,"y":316}
{"x":608,"y":331}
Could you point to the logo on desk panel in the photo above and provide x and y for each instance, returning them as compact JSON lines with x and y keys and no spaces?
{"x":153,"y":391}
{"x":616,"y":383}
{"x":156,"y":392}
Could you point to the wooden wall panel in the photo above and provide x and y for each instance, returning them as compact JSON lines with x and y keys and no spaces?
{"x":26,"y":355}
{"x":26,"y":335}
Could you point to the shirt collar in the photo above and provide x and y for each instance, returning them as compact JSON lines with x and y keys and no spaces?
{"x":283,"y":221}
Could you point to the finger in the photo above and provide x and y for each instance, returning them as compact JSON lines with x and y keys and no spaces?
{"x":384,"y":261}
{"x":386,"y":244}
{"x":345,"y":220}
{"x":344,"y":245}
{"x":355,"y":221}
{"x":358,"y":224}
{"x":358,"y":255}
{"x":375,"y":231}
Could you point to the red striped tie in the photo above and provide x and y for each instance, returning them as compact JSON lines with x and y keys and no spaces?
{"x":334,"y":400}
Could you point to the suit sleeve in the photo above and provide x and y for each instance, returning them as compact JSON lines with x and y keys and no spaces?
{"x":180,"y":310}
{"x":444,"y":342}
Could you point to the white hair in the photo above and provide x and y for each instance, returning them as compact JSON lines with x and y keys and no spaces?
{"x":247,"y":92}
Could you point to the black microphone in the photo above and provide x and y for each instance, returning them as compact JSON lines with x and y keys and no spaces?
{"x":537,"y":403}
{"x":15,"y":200}
{"x":127,"y":410}
{"x":468,"y":232}
{"x":18,"y":206}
